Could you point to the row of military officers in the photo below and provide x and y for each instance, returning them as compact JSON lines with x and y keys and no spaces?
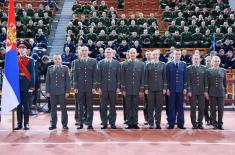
{"x":133,"y":78}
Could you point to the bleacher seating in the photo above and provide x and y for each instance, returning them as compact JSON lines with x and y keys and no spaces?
{"x":30,"y":17}
{"x":88,"y":15}
{"x":203,"y":15}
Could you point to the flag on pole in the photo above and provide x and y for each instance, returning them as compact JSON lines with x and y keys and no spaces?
{"x":213,"y":42}
{"x":11,"y":87}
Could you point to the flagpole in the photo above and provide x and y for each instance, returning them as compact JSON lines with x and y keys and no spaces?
{"x":10,"y":88}
{"x":13,"y":119}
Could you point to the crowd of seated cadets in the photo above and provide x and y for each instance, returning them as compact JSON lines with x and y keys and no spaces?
{"x":30,"y":23}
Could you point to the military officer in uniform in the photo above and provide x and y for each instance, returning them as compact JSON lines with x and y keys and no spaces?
{"x":27,"y":84}
{"x":84,"y":84}
{"x":176,"y":89}
{"x":108,"y":80}
{"x":155,"y":88}
{"x":58,"y":88}
{"x":132,"y":85}
{"x":123,"y":97}
{"x":197,"y":90}
{"x":217,"y":88}
{"x":206,"y":109}
{"x":148,"y":56}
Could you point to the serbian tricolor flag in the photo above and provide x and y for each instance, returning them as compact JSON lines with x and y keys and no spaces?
{"x":11,"y":87}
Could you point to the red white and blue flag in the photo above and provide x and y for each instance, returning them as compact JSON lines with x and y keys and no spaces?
{"x":11,"y":87}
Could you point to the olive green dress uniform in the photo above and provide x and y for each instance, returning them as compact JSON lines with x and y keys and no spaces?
{"x":151,"y":20}
{"x":219,"y":36}
{"x":203,"y":29}
{"x":86,"y":9}
{"x":156,"y":41}
{"x":167,"y":16}
{"x":186,"y":39}
{"x":141,"y":21}
{"x":94,"y":19}
{"x":47,"y":21}
{"x":25,"y":20}
{"x":198,"y":39}
{"x":223,"y":29}
{"x":133,"y":28}
{"x":206,"y":109}
{"x":58,"y":84}
{"x":86,"y":22}
{"x":114,"y":38}
{"x":122,"y":29}
{"x":145,"y":40}
{"x":103,"y":38}
{"x":155,"y":83}
{"x":192,"y":28}
{"x":197,"y":85}
{"x":30,"y":12}
{"x":106,"y":21}
{"x":212,"y":28}
{"x":178,"y":20}
{"x":20,"y":33}
{"x":217,"y":88}
{"x":181,"y":29}
{"x":40,"y":12}
{"x":207,"y":41}
{"x":108,"y":80}
{"x":230,"y":36}
{"x":83,"y":79}
{"x":92,"y":36}
{"x":146,"y":99}
{"x":103,"y":8}
{"x":99,"y":28}
{"x":233,"y":28}
{"x":172,"y":28}
{"x":152,"y":29}
{"x":132,"y":82}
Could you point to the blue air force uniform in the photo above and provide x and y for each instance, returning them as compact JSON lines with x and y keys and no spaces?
{"x":176,"y":83}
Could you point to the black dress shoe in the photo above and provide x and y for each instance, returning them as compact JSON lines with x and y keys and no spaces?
{"x":151,"y":127}
{"x":200,"y":127}
{"x":26,"y":127}
{"x":215,"y":127}
{"x":136,"y":127}
{"x":170,"y":127}
{"x":194,"y":127}
{"x":146,"y":123}
{"x":65,"y":127}
{"x":208,"y":122}
{"x":104,"y":127}
{"x":19,"y":127}
{"x":220,"y":127}
{"x":113,"y":126}
{"x":158,"y":127}
{"x":52,"y":127}
{"x":80,"y":127}
{"x":181,"y":127}
{"x":128,"y":127}
{"x":90,"y":127}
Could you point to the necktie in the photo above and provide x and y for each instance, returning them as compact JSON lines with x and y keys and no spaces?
{"x":176,"y":65}
{"x":107,"y":64}
{"x":56,"y":68}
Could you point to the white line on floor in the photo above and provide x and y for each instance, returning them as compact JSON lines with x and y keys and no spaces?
{"x":114,"y":143}
{"x":140,"y":130}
